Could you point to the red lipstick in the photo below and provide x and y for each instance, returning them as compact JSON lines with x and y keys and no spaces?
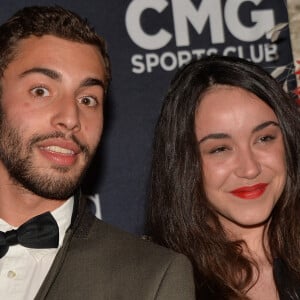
{"x":250,"y":192}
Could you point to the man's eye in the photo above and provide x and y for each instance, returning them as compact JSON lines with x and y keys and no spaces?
{"x":88,"y":101}
{"x":40,"y":92}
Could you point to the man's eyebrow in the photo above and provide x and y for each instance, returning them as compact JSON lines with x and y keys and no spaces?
{"x":92,"y":82}
{"x":57,"y":76}
{"x":45,"y":71}
{"x":225,"y":135}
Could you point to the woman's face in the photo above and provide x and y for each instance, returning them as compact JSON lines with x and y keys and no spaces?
{"x":243,"y":157}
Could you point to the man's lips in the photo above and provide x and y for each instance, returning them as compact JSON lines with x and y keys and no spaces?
{"x":60,"y":152}
{"x":58,"y":144}
{"x":250,"y":192}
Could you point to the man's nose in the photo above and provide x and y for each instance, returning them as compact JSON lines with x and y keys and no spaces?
{"x":66,"y":115}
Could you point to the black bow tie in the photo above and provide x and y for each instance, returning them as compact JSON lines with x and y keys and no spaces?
{"x":39,"y":232}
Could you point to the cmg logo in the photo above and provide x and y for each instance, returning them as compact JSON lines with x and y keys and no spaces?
{"x":184,"y":13}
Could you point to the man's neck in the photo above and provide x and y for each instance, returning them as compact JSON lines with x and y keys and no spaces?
{"x":17,"y":205}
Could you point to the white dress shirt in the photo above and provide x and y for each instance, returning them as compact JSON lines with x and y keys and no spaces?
{"x":23,"y":270}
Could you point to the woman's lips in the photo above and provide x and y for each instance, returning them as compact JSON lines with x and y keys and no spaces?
{"x":250,"y":192}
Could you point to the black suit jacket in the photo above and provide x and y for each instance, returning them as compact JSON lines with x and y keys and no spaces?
{"x":98,"y":261}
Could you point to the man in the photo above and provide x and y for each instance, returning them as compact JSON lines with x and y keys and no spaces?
{"x":55,"y":73}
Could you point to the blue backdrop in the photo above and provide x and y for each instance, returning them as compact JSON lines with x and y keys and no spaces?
{"x":148,"y":40}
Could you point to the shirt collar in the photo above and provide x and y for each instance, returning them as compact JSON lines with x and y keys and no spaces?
{"x":63,"y":215}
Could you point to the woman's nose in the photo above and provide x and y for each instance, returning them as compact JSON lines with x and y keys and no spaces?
{"x":248,"y":166}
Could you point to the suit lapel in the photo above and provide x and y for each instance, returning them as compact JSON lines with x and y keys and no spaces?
{"x":79,"y":217}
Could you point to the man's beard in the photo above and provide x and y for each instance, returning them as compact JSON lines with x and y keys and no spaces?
{"x":17,"y":158}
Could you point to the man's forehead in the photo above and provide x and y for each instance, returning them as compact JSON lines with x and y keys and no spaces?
{"x":50,"y":49}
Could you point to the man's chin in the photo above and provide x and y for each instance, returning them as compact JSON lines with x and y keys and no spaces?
{"x":50,"y":186}
{"x":58,"y":192}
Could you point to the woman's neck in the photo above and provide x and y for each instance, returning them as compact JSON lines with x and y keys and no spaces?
{"x":256,"y":248}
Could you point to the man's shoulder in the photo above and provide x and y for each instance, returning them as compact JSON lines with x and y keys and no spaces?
{"x":113,"y":248}
{"x":113,"y":237}
{"x":119,"y":265}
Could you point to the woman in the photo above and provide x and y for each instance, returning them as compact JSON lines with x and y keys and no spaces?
{"x":225,"y":186}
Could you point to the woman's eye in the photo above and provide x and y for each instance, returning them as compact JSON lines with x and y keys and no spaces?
{"x":40,"y":92}
{"x":218,"y":150}
{"x":88,"y":101}
{"x":266,"y":138}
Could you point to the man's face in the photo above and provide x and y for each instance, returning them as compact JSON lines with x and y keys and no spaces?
{"x":51,"y":115}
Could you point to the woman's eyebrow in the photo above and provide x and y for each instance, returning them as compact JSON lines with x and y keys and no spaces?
{"x":221,"y":135}
{"x":264,"y":125}
{"x":214,"y":136}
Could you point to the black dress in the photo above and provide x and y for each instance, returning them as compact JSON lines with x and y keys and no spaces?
{"x":287,"y":286}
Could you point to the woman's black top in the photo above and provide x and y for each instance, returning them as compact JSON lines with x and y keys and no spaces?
{"x":287,"y":286}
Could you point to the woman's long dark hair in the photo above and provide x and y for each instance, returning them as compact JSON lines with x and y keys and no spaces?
{"x":179,"y":210}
